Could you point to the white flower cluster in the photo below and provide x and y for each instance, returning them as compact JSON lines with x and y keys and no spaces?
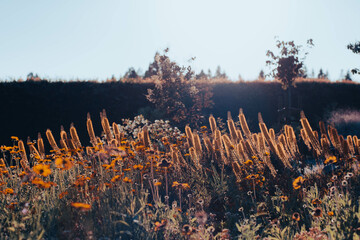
{"x":157,"y":130}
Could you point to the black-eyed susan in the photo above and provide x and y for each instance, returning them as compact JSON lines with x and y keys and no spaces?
{"x":42,"y":169}
{"x":298,"y":182}
{"x":63,"y":163}
{"x":164,"y":163}
{"x":331,"y":213}
{"x":284,"y":198}
{"x":186,"y":230}
{"x":317,"y":212}
{"x":296,"y":216}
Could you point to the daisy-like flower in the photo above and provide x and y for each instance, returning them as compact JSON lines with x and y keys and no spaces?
{"x":331,"y":213}
{"x":175,"y":184}
{"x":186,"y":230}
{"x":296,"y":216}
{"x":42,"y":169}
{"x":138,"y":167}
{"x":331,"y":159}
{"x":81,"y":206}
{"x":116,"y":178}
{"x":63,"y":163}
{"x":317,"y":212}
{"x":298,"y":182}
{"x":127,"y":180}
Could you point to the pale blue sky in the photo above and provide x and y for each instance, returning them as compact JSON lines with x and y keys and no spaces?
{"x":93,"y":39}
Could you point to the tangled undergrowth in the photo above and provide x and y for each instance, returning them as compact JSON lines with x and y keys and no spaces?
{"x":143,"y":180}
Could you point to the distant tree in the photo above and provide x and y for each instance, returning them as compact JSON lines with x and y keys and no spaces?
{"x":322,"y":75}
{"x":219,"y":74}
{"x":177,"y":95}
{"x":312,"y":73}
{"x":131,"y":73}
{"x":347,"y":76}
{"x":201,"y":75}
{"x":153,"y":67}
{"x":30,"y":77}
{"x":261,"y":75}
{"x":209,"y":74}
{"x":287,"y":65}
{"x":355,"y":48}
{"x":303,"y":73}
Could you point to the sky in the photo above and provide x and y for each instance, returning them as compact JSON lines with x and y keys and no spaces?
{"x":92,"y":39}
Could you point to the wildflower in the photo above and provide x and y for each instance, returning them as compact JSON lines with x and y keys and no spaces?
{"x":127,"y":180}
{"x":186,"y":230}
{"x":116,"y":178}
{"x":284,"y":198}
{"x":42,"y":169}
{"x":14,"y":138}
{"x":160,"y":225}
{"x":175,"y":184}
{"x":185,"y":186}
{"x":316,"y":201}
{"x":248,"y":163}
{"x":296,"y":216}
{"x":200,"y":201}
{"x":63,"y":194}
{"x":157,"y":184}
{"x":81,"y":206}
{"x":331,"y":159}
{"x":164,"y":163}
{"x":334,"y":178}
{"x":331,"y":213}
{"x":344,"y":183}
{"x":63,"y":163}
{"x":317,"y":212}
{"x":138,"y":167}
{"x":9,"y":191}
{"x":298,"y":182}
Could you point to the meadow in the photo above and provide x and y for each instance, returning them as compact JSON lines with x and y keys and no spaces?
{"x":142,"y":179}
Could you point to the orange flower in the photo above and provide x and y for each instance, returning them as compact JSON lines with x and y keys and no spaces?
{"x":317,"y":212}
{"x":9,"y":191}
{"x":127,"y":180}
{"x":81,"y":206}
{"x":331,"y":213}
{"x":284,"y":198}
{"x":298,"y":182}
{"x":316,"y":201}
{"x":138,"y":167}
{"x":63,"y":163}
{"x":116,"y":178}
{"x":296,"y":216}
{"x":185,"y":186}
{"x":42,"y":169}
{"x":62,"y":195}
{"x":331,"y":159}
{"x":175,"y":184}
{"x":157,"y":184}
{"x":248,"y":162}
